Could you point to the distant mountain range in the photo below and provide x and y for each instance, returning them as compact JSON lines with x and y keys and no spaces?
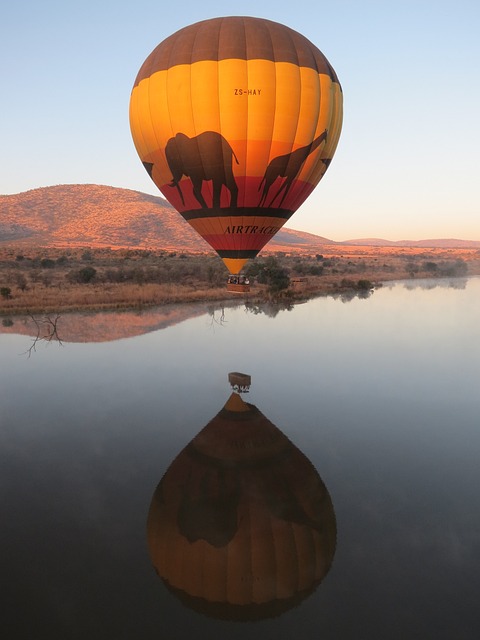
{"x":99,"y":216}
{"x":439,"y":243}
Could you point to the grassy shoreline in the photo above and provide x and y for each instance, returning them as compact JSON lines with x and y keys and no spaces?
{"x":56,"y":280}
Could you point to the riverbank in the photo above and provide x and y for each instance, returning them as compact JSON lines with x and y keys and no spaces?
{"x":56,"y":280}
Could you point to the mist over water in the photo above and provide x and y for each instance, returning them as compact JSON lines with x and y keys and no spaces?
{"x":377,"y":400}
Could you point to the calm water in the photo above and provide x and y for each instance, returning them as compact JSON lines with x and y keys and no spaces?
{"x":368,"y":426}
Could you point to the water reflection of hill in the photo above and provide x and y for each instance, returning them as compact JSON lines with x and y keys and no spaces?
{"x":106,"y":326}
{"x":103,"y":326}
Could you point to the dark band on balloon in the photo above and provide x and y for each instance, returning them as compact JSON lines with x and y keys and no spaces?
{"x":242,"y":38}
{"x":237,"y":253}
{"x":195,"y":214}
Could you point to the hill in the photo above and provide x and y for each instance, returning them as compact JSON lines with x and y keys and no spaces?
{"x":89,"y":215}
{"x":100,"y":216}
{"x":438,"y":243}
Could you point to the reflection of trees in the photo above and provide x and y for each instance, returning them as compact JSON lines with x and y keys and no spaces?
{"x":441,"y":283}
{"x":349,"y":295}
{"x":269,"y":308}
{"x":47,"y":331}
{"x":217,"y":315}
{"x":241,"y":526}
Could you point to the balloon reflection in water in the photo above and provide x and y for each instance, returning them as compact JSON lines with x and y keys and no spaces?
{"x":241,"y":526}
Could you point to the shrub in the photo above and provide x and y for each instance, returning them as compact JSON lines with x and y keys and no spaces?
{"x":430,"y":266}
{"x":316,"y":270}
{"x":87,"y":274}
{"x":21,"y":281}
{"x":84,"y":275}
{"x":270,"y":272}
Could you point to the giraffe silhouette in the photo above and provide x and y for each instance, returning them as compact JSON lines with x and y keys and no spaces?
{"x":287,"y":166}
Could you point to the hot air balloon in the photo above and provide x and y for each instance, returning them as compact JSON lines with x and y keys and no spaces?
{"x":236,"y":120}
{"x":241,"y":526}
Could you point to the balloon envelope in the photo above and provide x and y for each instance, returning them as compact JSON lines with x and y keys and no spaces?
{"x":236,"y":120}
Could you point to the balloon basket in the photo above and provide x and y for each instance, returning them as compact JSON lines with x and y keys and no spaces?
{"x":240,"y":382}
{"x":238,"y":288}
{"x":238,"y":284}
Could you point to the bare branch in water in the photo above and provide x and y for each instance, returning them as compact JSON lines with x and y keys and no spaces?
{"x":47,"y":331}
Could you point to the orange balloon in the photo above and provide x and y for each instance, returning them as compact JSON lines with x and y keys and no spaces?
{"x":236,"y":120}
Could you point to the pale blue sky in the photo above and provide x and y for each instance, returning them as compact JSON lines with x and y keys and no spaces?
{"x":408,"y":159}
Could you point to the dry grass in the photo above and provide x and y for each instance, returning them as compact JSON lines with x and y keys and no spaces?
{"x":97,"y":297}
{"x":36,"y":288}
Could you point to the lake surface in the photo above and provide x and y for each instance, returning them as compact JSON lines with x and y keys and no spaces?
{"x":345,"y":505}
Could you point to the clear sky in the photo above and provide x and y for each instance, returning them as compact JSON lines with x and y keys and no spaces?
{"x":408,"y":162}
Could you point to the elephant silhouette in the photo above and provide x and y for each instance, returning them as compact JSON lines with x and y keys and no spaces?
{"x":207,"y":156}
{"x":286,"y":166}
